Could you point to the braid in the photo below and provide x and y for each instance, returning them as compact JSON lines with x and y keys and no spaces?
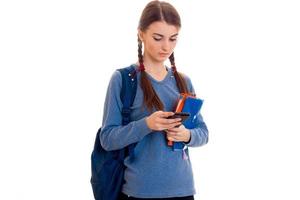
{"x":151,"y":100}
{"x":140,"y":55}
{"x":180,"y":81}
{"x":172,"y":61}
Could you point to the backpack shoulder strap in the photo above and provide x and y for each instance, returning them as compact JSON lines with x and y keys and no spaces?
{"x":128,"y":91}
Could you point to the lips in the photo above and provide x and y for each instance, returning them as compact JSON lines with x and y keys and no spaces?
{"x":163,"y":54}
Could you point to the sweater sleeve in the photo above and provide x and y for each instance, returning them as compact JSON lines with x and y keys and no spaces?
{"x":113,"y":134}
{"x":199,"y":135}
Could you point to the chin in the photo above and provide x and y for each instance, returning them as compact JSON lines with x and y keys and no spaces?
{"x":161,"y":59}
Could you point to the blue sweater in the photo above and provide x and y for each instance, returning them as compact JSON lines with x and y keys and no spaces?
{"x":156,"y":170}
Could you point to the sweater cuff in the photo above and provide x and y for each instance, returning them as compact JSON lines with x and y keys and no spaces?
{"x":142,"y":127}
{"x":192,"y":138}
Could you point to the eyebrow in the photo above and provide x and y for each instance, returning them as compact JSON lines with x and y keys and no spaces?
{"x":163,"y":35}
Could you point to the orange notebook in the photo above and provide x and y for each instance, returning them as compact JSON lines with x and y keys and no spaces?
{"x":191,"y":104}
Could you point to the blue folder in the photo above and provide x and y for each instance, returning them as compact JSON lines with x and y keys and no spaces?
{"x":192,"y":105}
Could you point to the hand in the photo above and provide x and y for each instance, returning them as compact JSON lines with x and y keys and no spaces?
{"x":157,"y":121}
{"x":179,"y":134}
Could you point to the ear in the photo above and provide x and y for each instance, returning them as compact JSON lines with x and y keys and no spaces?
{"x":141,"y":35}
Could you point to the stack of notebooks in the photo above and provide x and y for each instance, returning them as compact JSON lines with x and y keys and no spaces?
{"x":189,"y":104}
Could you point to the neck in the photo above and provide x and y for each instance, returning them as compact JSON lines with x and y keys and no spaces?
{"x":153,"y":66}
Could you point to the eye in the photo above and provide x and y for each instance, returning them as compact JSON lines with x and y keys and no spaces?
{"x":156,"y":39}
{"x":173,"y":39}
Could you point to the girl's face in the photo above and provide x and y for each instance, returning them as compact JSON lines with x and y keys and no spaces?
{"x":159,"y":40}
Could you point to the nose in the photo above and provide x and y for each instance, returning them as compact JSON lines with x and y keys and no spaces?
{"x":165,"y":45}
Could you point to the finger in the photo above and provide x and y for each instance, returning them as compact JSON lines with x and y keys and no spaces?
{"x":166,"y":114}
{"x":165,"y":126}
{"x":174,"y":133}
{"x":181,"y":126}
{"x":170,"y":138}
{"x":173,"y":129}
{"x":176,"y":128}
{"x":175,"y":137}
{"x":171,"y":133}
{"x":169,"y":121}
{"x":173,"y":125}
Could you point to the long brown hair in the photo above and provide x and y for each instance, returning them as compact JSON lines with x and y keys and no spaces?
{"x":153,"y":12}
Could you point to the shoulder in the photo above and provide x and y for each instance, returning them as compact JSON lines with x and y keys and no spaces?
{"x":186,"y":78}
{"x":116,"y":78}
{"x":188,"y":81}
{"x":129,"y":68}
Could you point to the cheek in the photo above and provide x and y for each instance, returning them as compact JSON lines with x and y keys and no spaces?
{"x":153,"y":47}
{"x":173,"y":45}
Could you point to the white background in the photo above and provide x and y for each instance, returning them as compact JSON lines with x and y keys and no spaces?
{"x":56,"y":59}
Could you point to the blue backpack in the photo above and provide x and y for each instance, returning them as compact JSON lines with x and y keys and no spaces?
{"x":108,"y":166}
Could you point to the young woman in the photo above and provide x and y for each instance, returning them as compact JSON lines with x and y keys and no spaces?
{"x":157,"y":171}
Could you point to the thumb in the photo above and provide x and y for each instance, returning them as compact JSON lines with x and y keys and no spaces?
{"x":167,"y":114}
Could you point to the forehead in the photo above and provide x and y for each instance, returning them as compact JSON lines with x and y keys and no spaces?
{"x":162,"y":28}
